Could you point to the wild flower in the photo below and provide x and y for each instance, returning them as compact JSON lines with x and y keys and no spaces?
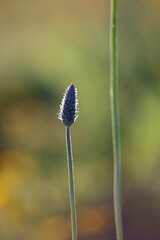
{"x":68,"y":115}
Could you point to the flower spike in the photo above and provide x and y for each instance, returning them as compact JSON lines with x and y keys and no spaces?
{"x":68,"y":107}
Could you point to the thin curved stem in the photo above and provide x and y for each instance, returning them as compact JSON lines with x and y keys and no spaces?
{"x":71,"y":184}
{"x":115,"y":119}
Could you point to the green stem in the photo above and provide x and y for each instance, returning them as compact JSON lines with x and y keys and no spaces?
{"x":71,"y":184}
{"x":115,"y":119}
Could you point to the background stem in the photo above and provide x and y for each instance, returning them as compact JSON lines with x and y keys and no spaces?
{"x":71,"y":184}
{"x":115,"y":119}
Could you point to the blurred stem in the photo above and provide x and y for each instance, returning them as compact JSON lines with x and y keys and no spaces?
{"x":115,"y":119}
{"x":71,"y":184}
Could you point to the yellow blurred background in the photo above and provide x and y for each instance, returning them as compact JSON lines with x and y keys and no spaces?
{"x":45,"y":46}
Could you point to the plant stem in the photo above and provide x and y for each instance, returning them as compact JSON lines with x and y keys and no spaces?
{"x":115,"y":119}
{"x":71,"y":184}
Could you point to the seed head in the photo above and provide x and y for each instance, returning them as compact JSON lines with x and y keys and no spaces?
{"x":68,"y":107}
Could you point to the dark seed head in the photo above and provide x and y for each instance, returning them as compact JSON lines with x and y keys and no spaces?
{"x":68,"y":107}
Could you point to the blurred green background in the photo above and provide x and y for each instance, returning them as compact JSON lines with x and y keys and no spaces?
{"x":45,"y":46}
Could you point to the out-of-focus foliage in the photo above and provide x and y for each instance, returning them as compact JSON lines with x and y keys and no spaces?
{"x":44,"y":46}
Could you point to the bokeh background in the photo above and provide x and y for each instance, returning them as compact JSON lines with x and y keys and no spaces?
{"x":45,"y":46}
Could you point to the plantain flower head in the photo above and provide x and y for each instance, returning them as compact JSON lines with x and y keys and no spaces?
{"x":68,"y":107}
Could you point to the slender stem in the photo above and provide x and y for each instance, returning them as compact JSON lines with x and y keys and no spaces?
{"x":115,"y":119}
{"x":71,"y":184}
